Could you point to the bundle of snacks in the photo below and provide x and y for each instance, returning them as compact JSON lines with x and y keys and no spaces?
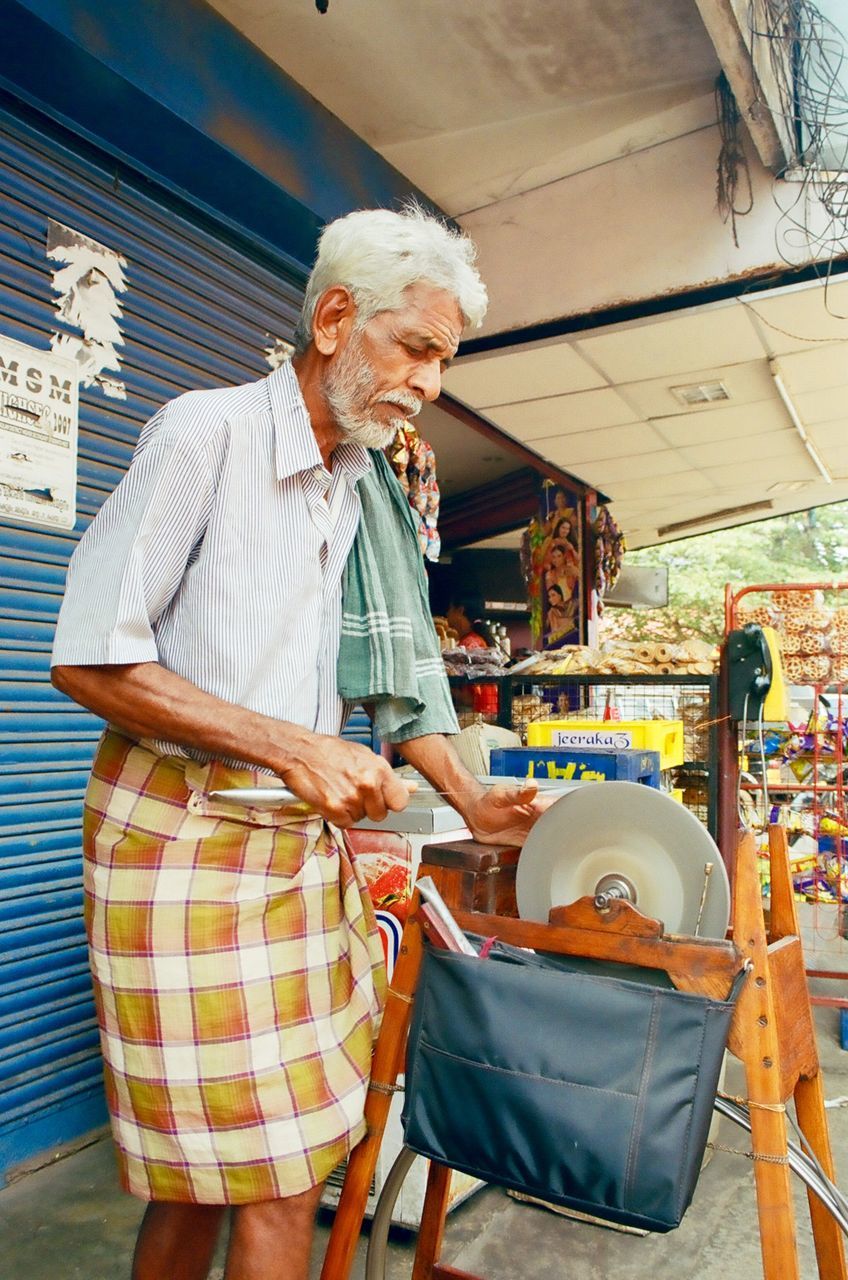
{"x":526,"y":707}
{"x":807,"y":668}
{"x":694,"y":710}
{"x":448,"y":638}
{"x":625,"y":658}
{"x":474,"y":663}
{"x":806,"y":631}
{"x":839,"y":632}
{"x":762,"y":615}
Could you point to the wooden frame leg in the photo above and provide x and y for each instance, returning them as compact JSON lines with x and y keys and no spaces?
{"x":387,"y":1066}
{"x":827,"y":1234}
{"x":754,"y":1040}
{"x":809,"y":1087}
{"x":432,"y":1229}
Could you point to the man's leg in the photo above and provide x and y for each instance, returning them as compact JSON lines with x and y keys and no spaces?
{"x":272,"y":1240}
{"x":177,"y":1241}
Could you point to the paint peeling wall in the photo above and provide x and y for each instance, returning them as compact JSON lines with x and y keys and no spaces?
{"x":88,"y":283}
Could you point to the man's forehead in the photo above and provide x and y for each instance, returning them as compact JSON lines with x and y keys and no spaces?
{"x":433,"y":313}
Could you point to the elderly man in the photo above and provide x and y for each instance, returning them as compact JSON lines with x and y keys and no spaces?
{"x":236,"y":968}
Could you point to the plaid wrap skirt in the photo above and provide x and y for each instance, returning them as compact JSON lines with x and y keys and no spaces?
{"x":238,"y":978}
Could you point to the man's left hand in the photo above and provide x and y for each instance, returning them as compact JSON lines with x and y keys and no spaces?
{"x":504,"y":815}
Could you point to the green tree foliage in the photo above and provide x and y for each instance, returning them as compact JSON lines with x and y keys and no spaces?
{"x":806,"y":546}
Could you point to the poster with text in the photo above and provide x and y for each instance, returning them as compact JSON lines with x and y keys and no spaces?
{"x":39,"y":420}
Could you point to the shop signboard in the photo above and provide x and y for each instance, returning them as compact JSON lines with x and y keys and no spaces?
{"x":39,"y":420}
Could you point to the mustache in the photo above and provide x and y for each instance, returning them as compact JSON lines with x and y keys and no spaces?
{"x":403,"y":400}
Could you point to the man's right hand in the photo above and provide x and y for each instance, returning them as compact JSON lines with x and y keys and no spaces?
{"x":344,"y":781}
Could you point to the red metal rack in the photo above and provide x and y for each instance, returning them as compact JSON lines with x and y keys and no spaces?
{"x":813,"y":800}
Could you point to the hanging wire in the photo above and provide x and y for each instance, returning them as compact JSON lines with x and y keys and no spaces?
{"x":806,"y":56}
{"x":731,"y":158}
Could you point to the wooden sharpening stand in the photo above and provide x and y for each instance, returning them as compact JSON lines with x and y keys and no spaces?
{"x":772,"y":1033}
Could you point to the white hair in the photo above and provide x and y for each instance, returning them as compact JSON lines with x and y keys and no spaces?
{"x":377,"y":254}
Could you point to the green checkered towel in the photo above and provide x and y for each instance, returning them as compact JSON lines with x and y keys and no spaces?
{"x":389,"y":652}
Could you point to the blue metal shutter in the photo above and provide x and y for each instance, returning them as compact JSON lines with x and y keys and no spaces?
{"x":197,"y":313}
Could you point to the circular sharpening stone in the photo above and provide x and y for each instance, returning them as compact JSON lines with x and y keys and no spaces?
{"x":630,"y":830}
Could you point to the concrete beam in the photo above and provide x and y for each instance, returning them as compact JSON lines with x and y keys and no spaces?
{"x":750,"y":74}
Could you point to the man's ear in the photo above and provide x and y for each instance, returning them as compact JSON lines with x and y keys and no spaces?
{"x":333,"y":319}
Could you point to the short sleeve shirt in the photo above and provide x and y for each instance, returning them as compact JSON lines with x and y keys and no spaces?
{"x":220,"y":555}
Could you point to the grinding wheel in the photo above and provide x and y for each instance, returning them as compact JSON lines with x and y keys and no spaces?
{"x":632,"y":839}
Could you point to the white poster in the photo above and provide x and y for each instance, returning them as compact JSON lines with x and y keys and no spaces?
{"x":39,"y":417}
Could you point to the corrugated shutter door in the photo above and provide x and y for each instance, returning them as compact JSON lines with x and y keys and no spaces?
{"x":198,"y":312}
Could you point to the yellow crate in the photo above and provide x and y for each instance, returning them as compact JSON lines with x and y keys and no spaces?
{"x":664,"y":736}
{"x":676,"y":793}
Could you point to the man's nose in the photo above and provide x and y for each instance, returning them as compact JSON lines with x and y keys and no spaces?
{"x":426,"y":381}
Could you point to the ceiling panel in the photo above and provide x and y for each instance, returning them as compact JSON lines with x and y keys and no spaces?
{"x":799,"y":317}
{"x":748,"y":450}
{"x":815,"y":369}
{"x":675,"y":346}
{"x":742,"y":484}
{"x":622,"y":470}
{"x":556,"y":416}
{"x":528,"y":374}
{"x":574,"y":451}
{"x":830,"y":435}
{"x":827,"y":405}
{"x":724,"y":422}
{"x":746,"y":384}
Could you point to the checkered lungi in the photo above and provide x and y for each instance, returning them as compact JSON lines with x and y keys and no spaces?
{"x":238,"y":975}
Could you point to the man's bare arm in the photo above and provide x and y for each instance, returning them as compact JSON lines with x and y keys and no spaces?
{"x":494,"y":814}
{"x":344,"y":781}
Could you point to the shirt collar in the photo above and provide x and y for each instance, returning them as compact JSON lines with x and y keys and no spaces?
{"x":295,"y":446}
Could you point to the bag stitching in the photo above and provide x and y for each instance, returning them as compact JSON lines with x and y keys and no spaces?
{"x":694,"y":1094}
{"x":524,"y":1075}
{"x":641,"y":1103}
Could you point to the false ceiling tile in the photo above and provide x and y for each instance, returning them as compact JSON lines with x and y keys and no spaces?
{"x":562,"y":415}
{"x":828,"y":405}
{"x":836,"y":457}
{"x":830,"y":435}
{"x":724,"y":422}
{"x":520,"y":375}
{"x":675,"y":346}
{"x":816,"y":368}
{"x":803,"y":316}
{"x":746,"y":383}
{"x":643,"y":476}
{"x":746,"y":450}
{"x":598,"y":446}
{"x":739,"y":484}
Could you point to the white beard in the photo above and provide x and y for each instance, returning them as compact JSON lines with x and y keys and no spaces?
{"x":348,"y":388}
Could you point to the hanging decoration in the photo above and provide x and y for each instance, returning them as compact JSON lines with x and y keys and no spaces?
{"x":608,"y":548}
{"x":414,"y":463}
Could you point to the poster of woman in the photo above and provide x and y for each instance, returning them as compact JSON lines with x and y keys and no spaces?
{"x":557,"y":567}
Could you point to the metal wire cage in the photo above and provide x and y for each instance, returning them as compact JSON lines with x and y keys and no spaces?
{"x":691,"y":699}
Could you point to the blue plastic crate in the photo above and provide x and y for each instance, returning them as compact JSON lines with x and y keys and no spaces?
{"x":577,"y":766}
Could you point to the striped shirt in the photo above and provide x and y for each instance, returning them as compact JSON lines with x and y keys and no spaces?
{"x":220,"y":556}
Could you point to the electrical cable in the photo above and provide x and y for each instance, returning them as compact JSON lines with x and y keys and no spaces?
{"x":742,"y":817}
{"x":762,"y":746}
{"x":807,"y":54}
